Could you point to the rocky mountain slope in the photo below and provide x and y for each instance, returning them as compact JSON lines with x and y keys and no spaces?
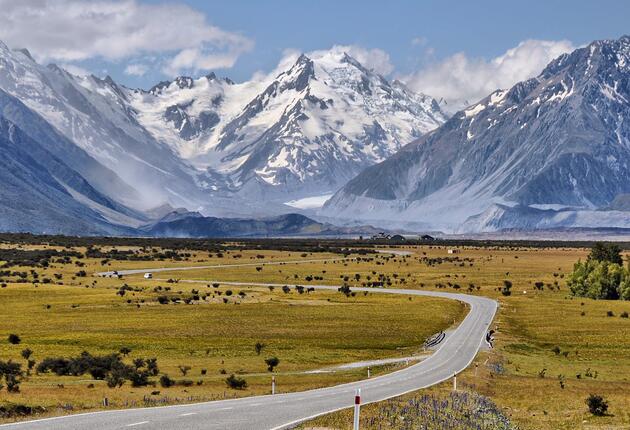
{"x":557,"y":142}
{"x":39,"y":191}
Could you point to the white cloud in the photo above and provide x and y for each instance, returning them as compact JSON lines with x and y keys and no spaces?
{"x":461,"y":80}
{"x":136,"y":69}
{"x":374,"y":59}
{"x":74,"y":30}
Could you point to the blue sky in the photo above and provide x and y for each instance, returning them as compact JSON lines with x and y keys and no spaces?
{"x":457,"y":50}
{"x":478,"y":28}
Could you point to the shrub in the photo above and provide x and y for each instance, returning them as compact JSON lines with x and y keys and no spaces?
{"x":235,"y":382}
{"x":597,"y":405}
{"x":14,"y":339}
{"x":272,"y":362}
{"x":166,"y":381}
{"x":507,"y":288}
{"x":259,"y":347}
{"x":26,"y":353}
{"x":12,"y":374}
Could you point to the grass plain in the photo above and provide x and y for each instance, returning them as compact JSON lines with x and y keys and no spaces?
{"x":551,"y":350}
{"x":215,"y":334}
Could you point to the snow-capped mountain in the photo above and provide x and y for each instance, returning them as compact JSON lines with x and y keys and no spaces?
{"x":547,"y":151}
{"x":301,"y":133}
{"x":206,"y":144}
{"x":95,"y":115}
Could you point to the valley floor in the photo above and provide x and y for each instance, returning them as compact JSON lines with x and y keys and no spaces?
{"x":533,"y":384}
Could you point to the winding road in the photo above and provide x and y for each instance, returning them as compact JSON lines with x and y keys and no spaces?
{"x":283,"y":411}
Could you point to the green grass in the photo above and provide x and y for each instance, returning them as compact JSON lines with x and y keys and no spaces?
{"x":530,"y":324}
{"x":306,"y":331}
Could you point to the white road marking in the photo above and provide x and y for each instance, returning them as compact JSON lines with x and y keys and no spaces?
{"x":137,"y":424}
{"x":188,"y":414}
{"x":225,"y":409}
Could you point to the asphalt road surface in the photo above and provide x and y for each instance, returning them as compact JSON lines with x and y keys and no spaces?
{"x":215,"y":266}
{"x":282,"y":411}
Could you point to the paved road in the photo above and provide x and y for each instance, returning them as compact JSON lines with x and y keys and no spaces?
{"x":285,"y":410}
{"x":258,"y":263}
{"x":216,"y":266}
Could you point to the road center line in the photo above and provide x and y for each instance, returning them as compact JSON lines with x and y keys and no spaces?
{"x":137,"y":424}
{"x":188,"y":414}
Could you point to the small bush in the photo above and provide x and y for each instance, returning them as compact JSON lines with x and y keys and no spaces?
{"x":597,"y":405}
{"x":166,"y":381}
{"x":272,"y":362}
{"x":235,"y":382}
{"x":14,"y":339}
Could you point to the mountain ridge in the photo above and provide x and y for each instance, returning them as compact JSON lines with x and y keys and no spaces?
{"x":545,"y":141}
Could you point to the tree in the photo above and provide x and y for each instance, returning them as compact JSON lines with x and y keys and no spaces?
{"x":272,"y":362}
{"x":597,"y":405}
{"x":184,"y":369}
{"x":609,"y":252}
{"x":599,"y":280}
{"x":125,"y":351}
{"x":14,"y":339}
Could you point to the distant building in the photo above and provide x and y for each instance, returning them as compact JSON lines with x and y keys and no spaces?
{"x":381,"y":236}
{"x":453,"y":251}
{"x":148,"y":275}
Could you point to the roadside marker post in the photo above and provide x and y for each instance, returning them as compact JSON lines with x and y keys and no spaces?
{"x":357,"y":408}
{"x":273,"y":385}
{"x":368,"y":372}
{"x":455,"y":382}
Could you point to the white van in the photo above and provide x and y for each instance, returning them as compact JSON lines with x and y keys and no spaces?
{"x":148,"y":276}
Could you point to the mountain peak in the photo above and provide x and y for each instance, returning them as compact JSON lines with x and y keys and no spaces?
{"x":539,"y":144}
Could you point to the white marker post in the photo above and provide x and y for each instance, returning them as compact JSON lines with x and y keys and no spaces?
{"x":455,"y":382}
{"x":368,"y":372}
{"x":273,"y":385}
{"x":357,"y":408}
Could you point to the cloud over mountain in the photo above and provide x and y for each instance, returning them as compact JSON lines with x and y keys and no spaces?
{"x":119,"y":29}
{"x":461,"y":80}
